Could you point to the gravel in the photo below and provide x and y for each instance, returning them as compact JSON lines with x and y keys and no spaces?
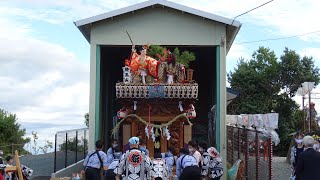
{"x":281,"y":169}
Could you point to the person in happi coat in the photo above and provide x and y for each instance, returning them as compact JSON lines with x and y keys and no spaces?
{"x":212,"y":167}
{"x":159,"y":168}
{"x":134,"y":164}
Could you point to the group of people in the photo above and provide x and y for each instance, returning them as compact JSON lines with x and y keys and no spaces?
{"x":26,"y":172}
{"x":197,"y":162}
{"x":305,"y":158}
{"x":4,"y":175}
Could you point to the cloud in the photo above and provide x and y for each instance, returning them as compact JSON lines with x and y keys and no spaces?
{"x":60,"y":11}
{"x":41,"y":82}
{"x":278,"y":18}
{"x":236,"y":52}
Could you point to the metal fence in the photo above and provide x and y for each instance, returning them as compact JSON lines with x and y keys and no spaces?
{"x":252,"y":148}
{"x":70,"y":147}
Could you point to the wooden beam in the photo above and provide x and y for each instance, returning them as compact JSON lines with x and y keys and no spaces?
{"x":18,"y":167}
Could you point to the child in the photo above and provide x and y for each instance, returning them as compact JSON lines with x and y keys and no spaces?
{"x":169,"y":158}
{"x":295,"y":151}
{"x":10,"y":175}
{"x":159,"y":168}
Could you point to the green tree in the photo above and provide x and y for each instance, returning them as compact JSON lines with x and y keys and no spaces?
{"x":184,"y":58}
{"x":267,"y":84}
{"x":296,"y":70}
{"x":11,"y":134}
{"x":36,"y":148}
{"x":154,"y":50}
{"x":86,"y":121}
{"x":72,"y":145}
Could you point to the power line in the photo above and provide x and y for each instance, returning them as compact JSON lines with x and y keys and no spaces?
{"x":280,"y":38}
{"x":251,"y":10}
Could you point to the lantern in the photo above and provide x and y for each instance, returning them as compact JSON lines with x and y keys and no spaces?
{"x":191,"y":112}
{"x":122,"y":113}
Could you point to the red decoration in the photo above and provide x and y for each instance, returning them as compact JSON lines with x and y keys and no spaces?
{"x":135,"y":159}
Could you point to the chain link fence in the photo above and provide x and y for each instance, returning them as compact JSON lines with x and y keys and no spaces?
{"x":251,"y":147}
{"x":70,"y":147}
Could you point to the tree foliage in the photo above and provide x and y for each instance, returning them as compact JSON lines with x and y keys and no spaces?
{"x":266,"y":84}
{"x":11,"y":134}
{"x":81,"y":145}
{"x":296,"y":70}
{"x":36,"y":148}
{"x":154,"y":50}
{"x":184,"y":57}
{"x":86,"y":121}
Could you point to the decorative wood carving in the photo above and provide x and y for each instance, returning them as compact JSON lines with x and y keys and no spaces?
{"x":176,"y":139}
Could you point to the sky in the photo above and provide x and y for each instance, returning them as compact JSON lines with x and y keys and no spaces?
{"x":44,"y":76}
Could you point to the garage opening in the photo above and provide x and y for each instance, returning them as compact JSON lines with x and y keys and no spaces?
{"x":112,"y":60}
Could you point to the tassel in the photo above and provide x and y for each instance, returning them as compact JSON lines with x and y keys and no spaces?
{"x":167,"y":133}
{"x":157,"y":132}
{"x":153,"y":135}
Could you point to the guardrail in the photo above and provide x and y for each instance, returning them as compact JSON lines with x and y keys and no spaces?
{"x":70,"y":147}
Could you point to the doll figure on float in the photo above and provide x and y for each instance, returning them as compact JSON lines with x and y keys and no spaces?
{"x":142,"y":64}
{"x":170,"y":68}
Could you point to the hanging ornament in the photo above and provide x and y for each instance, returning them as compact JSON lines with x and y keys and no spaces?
{"x":134,"y":105}
{"x":147,"y":131}
{"x":180,"y":106}
{"x":166,"y":131}
{"x":157,"y":145}
{"x":161,"y":131}
{"x":153,"y":135}
{"x":122,"y":113}
{"x":157,"y":132}
{"x":191,"y":112}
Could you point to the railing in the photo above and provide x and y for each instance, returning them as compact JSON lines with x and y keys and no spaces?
{"x":70,"y":147}
{"x":254,"y":149}
{"x":173,"y":91}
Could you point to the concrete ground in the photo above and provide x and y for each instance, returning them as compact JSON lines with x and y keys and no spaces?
{"x":281,"y":169}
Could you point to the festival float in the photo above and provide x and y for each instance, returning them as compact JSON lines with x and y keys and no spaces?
{"x":157,"y":98}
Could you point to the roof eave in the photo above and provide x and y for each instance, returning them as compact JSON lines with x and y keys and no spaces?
{"x":82,"y":32}
{"x":233,"y":37}
{"x":82,"y":23}
{"x":146,"y":4}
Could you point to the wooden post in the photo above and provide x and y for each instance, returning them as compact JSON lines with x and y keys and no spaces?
{"x":18,"y":167}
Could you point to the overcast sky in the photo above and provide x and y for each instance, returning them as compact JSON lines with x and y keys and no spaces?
{"x":44,"y":75}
